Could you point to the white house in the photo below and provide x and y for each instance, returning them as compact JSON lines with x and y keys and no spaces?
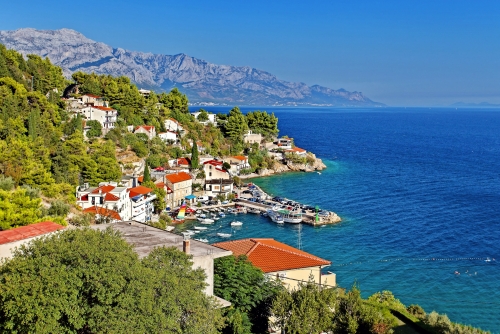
{"x":212,"y":118}
{"x":94,"y":100}
{"x":298,"y":151}
{"x":285,"y":143}
{"x":181,"y":185}
{"x":251,"y":137}
{"x":217,"y":180}
{"x":238,"y":163}
{"x":168,"y":136}
{"x":104,"y":115}
{"x":172,"y":125}
{"x":141,"y":203}
{"x":108,"y":196}
{"x":149,"y":130}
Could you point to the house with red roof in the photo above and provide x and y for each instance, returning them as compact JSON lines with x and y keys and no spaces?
{"x":107,"y":196}
{"x":104,"y":115}
{"x":297,"y":150}
{"x":284,"y":143}
{"x":238,"y":163}
{"x":217,"y":179}
{"x":169,"y":197}
{"x":276,"y":259}
{"x":91,"y":99}
{"x":181,"y":185}
{"x":148,"y":130}
{"x":10,"y":239}
{"x":141,"y":200}
{"x":173,"y":125}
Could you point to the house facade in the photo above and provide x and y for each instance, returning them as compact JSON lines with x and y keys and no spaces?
{"x":104,"y":115}
{"x":298,"y":151}
{"x":148,"y":130}
{"x":141,"y":199}
{"x":169,"y":136}
{"x":284,"y":143}
{"x":281,"y":261}
{"x":251,"y":137}
{"x":212,"y":118}
{"x":107,"y":196}
{"x":181,"y":186}
{"x":238,"y":163}
{"x":173,"y":125}
{"x":217,"y":180}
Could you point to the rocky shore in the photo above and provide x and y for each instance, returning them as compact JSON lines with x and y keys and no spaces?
{"x":279,"y":167}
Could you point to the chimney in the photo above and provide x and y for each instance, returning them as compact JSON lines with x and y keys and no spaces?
{"x":134,"y":180}
{"x":186,"y":245}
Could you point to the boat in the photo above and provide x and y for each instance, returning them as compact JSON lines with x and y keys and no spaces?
{"x":216,"y":218}
{"x":207,"y":221}
{"x":275,"y":216}
{"x":222,"y":214}
{"x":202,"y":240}
{"x":188,"y":233}
{"x":202,"y":215}
{"x":224,"y":235}
{"x":253,"y":210}
{"x":200,"y":228}
{"x":292,"y":217}
{"x":236,"y":223}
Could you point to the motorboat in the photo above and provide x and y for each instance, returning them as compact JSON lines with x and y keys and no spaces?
{"x":202,"y":240}
{"x":222,"y":214}
{"x":236,"y":223}
{"x":292,"y":217}
{"x":224,"y":235}
{"x":275,"y":216}
{"x":200,"y":228}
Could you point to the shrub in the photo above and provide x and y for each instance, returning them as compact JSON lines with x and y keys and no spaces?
{"x":58,"y":208}
{"x":416,"y":310}
{"x":6,"y":183}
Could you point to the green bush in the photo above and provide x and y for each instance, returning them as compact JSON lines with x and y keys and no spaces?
{"x":58,"y":208}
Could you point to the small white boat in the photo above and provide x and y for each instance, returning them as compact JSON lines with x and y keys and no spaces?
{"x":224,"y":235}
{"x":202,"y":240}
{"x":200,"y":228}
{"x":210,"y":221}
{"x":236,"y":223}
{"x":215,"y":218}
{"x":187,"y":232}
{"x":203,"y":215}
{"x":222,"y":214}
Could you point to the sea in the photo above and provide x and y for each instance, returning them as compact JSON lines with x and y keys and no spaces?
{"x":418,"y":191}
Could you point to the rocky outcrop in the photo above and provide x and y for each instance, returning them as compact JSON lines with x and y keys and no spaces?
{"x":279,"y":167}
{"x":202,"y":81}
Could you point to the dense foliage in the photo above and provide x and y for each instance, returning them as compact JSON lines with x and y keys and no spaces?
{"x":87,"y":281}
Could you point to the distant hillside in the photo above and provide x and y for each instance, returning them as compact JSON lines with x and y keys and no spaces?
{"x":203,"y":82}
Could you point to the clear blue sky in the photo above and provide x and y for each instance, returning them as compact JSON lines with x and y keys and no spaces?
{"x":399,"y":52}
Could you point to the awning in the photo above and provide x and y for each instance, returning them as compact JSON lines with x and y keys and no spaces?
{"x":190,"y":196}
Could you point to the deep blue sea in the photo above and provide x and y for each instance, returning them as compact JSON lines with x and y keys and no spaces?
{"x":419,"y":194}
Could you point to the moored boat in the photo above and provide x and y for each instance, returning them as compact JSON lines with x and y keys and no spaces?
{"x":275,"y":216}
{"x":236,"y":223}
{"x":224,"y":235}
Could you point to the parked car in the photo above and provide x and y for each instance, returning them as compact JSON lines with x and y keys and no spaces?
{"x":202,"y":198}
{"x":247,"y":191}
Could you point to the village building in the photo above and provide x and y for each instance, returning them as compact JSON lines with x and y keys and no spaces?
{"x":298,"y":151}
{"x":146,"y":238}
{"x":169,"y":136}
{"x":148,"y":130}
{"x":238,"y":163}
{"x":181,"y":186}
{"x":141,"y":203}
{"x":183,"y":163}
{"x":251,"y":137}
{"x":107,"y":117}
{"x":173,"y":125}
{"x":93,"y":100}
{"x":217,"y":180}
{"x":108,"y":199}
{"x":169,"y":197}
{"x":144,"y":92}
{"x":212,"y":118}
{"x":281,"y":261}
{"x":10,"y":239}
{"x":284,"y":143}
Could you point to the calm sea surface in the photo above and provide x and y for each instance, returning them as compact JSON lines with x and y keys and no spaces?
{"x":419,"y":194}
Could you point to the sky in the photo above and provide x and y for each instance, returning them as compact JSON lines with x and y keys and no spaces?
{"x":401,"y":52}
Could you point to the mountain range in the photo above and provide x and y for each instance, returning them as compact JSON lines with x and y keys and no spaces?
{"x":201,"y":81}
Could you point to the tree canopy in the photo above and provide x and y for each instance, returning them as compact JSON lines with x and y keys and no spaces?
{"x":87,"y":281}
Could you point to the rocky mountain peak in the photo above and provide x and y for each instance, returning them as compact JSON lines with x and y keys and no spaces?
{"x":200,"y":80}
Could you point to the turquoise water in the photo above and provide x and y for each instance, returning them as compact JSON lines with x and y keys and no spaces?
{"x":419,"y":194}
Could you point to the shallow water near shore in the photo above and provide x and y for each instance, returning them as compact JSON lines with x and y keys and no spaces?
{"x":419,"y":193}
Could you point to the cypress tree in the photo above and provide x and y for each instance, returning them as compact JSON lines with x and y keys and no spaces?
{"x":147,"y":176}
{"x":194,"y":156}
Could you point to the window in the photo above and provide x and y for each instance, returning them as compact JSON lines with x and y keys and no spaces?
{"x":210,"y":174}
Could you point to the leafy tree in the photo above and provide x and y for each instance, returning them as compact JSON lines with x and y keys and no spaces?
{"x":88,"y":281}
{"x":249,"y":291}
{"x":203,"y":116}
{"x":18,"y":209}
{"x":236,"y":125}
{"x":95,"y":129}
{"x":263,"y":123}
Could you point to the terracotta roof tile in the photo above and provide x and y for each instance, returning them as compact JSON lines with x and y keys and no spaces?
{"x":103,"y":212}
{"x":103,"y":189}
{"x":240,"y":157}
{"x":270,"y":255}
{"x":111,"y":197}
{"x":92,"y":95}
{"x":103,"y":108}
{"x":183,"y":161}
{"x":148,"y":128}
{"x":178,"y":177}
{"x":29,"y":231}
{"x":139,"y":190}
{"x":296,"y":149}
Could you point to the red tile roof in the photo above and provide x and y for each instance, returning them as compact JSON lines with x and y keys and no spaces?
{"x":139,"y":190}
{"x":296,"y":150}
{"x":148,"y":128}
{"x":92,"y":95}
{"x":140,"y":179}
{"x":103,"y":189}
{"x":103,"y":108}
{"x":103,"y":212}
{"x":183,"y":161}
{"x":178,"y":177}
{"x":213,"y":162}
{"x":29,"y":231}
{"x":270,"y":255}
{"x":240,"y":157}
{"x":111,"y":197}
